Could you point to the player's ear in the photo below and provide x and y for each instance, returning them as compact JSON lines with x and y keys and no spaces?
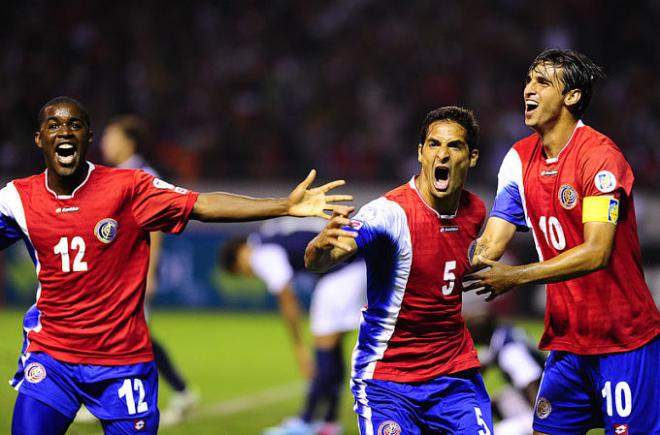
{"x":419,"y":152}
{"x":37,"y":138}
{"x":474,"y":156}
{"x":572,"y":97}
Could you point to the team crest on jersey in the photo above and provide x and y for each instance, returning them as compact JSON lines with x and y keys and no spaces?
{"x":389,"y":427}
{"x":567,"y":196}
{"x":605,"y":181}
{"x":160,"y":184}
{"x":543,"y":408}
{"x":106,"y":230}
{"x":35,"y":373}
{"x":620,"y":429}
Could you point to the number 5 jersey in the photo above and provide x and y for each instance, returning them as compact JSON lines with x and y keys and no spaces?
{"x":91,"y":254}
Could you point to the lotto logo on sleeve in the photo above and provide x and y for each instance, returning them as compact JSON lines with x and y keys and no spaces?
{"x":35,"y":373}
{"x":160,"y":184}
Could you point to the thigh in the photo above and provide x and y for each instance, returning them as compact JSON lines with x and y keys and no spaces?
{"x":32,"y":417}
{"x":124,"y":398}
{"x":50,"y":382}
{"x":629,"y":384}
{"x":458,"y":405}
{"x":383,"y":409}
{"x":566,"y":403}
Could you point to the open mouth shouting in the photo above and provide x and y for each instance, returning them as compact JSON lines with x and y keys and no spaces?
{"x":65,"y":153}
{"x":441,"y":178}
{"x":530,"y":106}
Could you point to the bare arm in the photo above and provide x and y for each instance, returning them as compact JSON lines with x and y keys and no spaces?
{"x":154,"y":257}
{"x":302,"y":201}
{"x":494,"y":240}
{"x":593,"y":254}
{"x":290,"y":311}
{"x":331,"y":246}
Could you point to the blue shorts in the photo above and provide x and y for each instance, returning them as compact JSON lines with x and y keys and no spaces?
{"x":125,"y":394}
{"x":619,"y":392}
{"x":453,"y":404}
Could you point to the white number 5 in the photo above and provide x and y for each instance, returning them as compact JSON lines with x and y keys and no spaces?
{"x":449,"y":278}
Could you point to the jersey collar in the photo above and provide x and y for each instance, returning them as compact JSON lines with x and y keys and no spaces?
{"x":412,"y":185}
{"x":555,"y":159}
{"x":90,"y":168}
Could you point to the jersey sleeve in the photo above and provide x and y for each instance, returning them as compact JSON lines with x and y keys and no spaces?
{"x":377,"y":219}
{"x":9,"y":229}
{"x":606,"y":172}
{"x":160,"y":206}
{"x":271,"y":264}
{"x":508,"y":203}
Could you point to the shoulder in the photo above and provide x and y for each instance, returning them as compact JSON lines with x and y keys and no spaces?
{"x":382,"y":213}
{"x":473,"y":204}
{"x":595,"y":144}
{"x":526,"y":145}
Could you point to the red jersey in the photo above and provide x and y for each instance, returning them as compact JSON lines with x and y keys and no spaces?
{"x":610,"y":310}
{"x":412,"y":329}
{"x":91,"y":252}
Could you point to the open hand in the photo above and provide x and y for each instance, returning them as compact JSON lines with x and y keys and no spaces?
{"x":492,"y":278}
{"x":306,"y":201}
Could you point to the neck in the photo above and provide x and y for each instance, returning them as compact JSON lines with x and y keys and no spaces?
{"x":66,"y":184}
{"x":555,"y":138}
{"x":444,"y":206}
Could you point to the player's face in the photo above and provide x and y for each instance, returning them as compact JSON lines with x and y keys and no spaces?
{"x":445,"y":158}
{"x":543,"y":97}
{"x":116,"y":147}
{"x":64,"y":138}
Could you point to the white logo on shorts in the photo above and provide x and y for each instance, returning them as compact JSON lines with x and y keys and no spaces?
{"x":35,"y":373}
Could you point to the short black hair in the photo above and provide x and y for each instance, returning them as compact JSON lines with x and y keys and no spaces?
{"x":578,"y":72}
{"x":228,"y":254}
{"x":133,"y":127}
{"x":63,"y":100}
{"x":460,"y":115}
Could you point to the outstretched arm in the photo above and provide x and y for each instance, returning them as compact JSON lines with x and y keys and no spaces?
{"x":593,"y":254}
{"x":494,"y":240}
{"x":332,"y":245}
{"x":302,"y":201}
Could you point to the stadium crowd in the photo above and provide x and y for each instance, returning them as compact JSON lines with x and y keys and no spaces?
{"x":264,"y":90}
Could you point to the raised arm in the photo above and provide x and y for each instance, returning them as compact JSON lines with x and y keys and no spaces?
{"x":332,"y":245}
{"x":302,"y":201}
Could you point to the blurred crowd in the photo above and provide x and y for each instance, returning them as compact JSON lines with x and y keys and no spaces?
{"x":267,"y":89}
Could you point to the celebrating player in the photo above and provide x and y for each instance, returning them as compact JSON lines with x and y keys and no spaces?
{"x":414,"y":366}
{"x":87,"y":229}
{"x":275,"y":254}
{"x":572,"y":186}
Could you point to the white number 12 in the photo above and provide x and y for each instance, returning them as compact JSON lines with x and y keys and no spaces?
{"x":126,"y":391}
{"x":62,"y":249}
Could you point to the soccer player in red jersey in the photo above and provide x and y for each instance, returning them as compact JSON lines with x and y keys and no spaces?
{"x":414,"y":366}
{"x":87,"y":230}
{"x":572,"y":186}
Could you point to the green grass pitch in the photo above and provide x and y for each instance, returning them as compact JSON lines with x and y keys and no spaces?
{"x":241,"y":365}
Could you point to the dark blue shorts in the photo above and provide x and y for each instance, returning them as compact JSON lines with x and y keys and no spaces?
{"x":454,"y":404}
{"x":123,"y":394}
{"x":620,"y":392}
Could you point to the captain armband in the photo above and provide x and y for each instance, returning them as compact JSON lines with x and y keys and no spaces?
{"x":600,"y":209}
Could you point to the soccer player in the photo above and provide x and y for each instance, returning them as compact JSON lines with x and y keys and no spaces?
{"x":121,"y":140}
{"x":414,"y":366}
{"x":275,"y":255}
{"x":87,"y":229}
{"x":572,"y":186}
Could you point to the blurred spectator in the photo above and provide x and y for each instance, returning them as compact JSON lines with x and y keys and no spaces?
{"x":263,"y":90}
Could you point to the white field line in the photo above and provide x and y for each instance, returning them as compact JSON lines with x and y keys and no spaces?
{"x":248,"y":402}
